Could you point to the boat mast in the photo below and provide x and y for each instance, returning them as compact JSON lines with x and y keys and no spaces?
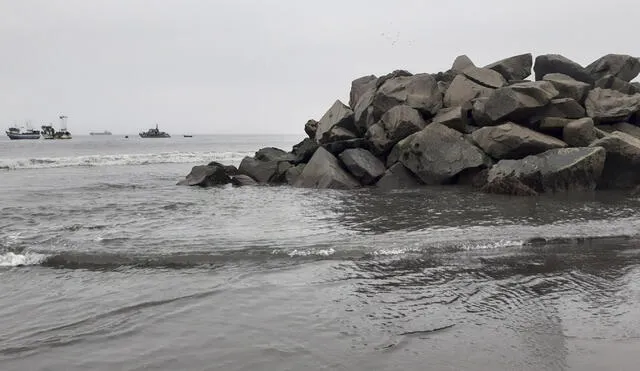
{"x":63,"y":123}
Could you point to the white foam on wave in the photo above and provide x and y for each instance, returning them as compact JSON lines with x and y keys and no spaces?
{"x":123,"y":159}
{"x":10,"y":259}
{"x":312,"y":252}
{"x":492,"y":245}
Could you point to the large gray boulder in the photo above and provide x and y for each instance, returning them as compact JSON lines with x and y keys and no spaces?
{"x":485,"y":77}
{"x":242,"y":180}
{"x":396,"y":124}
{"x":335,"y":148}
{"x":461,"y":63}
{"x":555,"y":63}
{"x":568,"y":87}
{"x":615,"y":83}
{"x":564,"y":107}
{"x":360,"y":86}
{"x":627,"y":128}
{"x":511,"y":141}
{"x":398,"y":177}
{"x":338,"y":116}
{"x":272,"y":154}
{"x":622,"y":167}
{"x":561,"y":169}
{"x":605,"y":105}
{"x":624,"y":67}
{"x":453,"y":117}
{"x":206,"y":176}
{"x":324,"y":171}
{"x":514,"y":68}
{"x":519,"y":101}
{"x":363,"y":112}
{"x":462,"y":90}
{"x":336,"y":134}
{"x":303,"y":151}
{"x":418,"y":91}
{"x":580,"y":133}
{"x":292,"y":174}
{"x":261,"y":171}
{"x":437,"y":154}
{"x":363,"y":165}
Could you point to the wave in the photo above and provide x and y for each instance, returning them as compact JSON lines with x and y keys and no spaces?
{"x":122,"y":159}
{"x":11,"y":259}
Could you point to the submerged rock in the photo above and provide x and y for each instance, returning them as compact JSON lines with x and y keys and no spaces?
{"x":206,"y":176}
{"x":398,"y":177}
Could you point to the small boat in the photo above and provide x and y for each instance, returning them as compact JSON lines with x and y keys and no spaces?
{"x":188,"y":136}
{"x":106,"y":132}
{"x":15,"y":133}
{"x":48,"y":132}
{"x":154,"y":133}
{"x":126,"y":137}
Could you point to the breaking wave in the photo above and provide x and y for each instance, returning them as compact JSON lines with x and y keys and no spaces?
{"x":122,"y":159}
{"x":11,"y":259}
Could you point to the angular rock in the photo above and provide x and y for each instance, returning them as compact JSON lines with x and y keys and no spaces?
{"x":622,"y":167}
{"x":511,"y":141}
{"x":568,"y":87}
{"x":310,"y":128}
{"x":461,"y":63}
{"x":485,"y":77}
{"x":261,"y":171}
{"x":615,"y":83}
{"x":417,"y":91}
{"x":397,"y":73}
{"x":242,"y":180}
{"x":360,"y":86}
{"x":519,"y":101}
{"x":363,"y":112}
{"x":555,"y":63}
{"x":627,"y":128}
{"x":303,"y":151}
{"x":206,"y":176}
{"x":605,"y":105}
{"x":446,"y":76}
{"x":336,"y":134}
{"x":338,"y":116}
{"x":229,"y":169}
{"x":453,"y":118}
{"x":293,"y":173}
{"x":395,"y":125}
{"x":437,"y":154}
{"x":508,"y":186}
{"x":580,"y":133}
{"x":462,"y":90}
{"x":565,"y":108}
{"x":478,"y":114}
{"x":561,"y":169}
{"x":272,"y":154}
{"x":514,"y":68}
{"x":336,"y":148}
{"x":324,"y":171}
{"x":398,"y":177}
{"x":363,"y":165}
{"x":624,"y":67}
{"x":553,"y":124}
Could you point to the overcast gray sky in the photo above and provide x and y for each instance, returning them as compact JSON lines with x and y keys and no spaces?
{"x":241,"y":66}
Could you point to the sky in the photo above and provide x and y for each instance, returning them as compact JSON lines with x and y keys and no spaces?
{"x":262,"y":67}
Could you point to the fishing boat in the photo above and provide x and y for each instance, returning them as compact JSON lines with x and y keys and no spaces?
{"x":154,"y":133}
{"x":15,"y":133}
{"x":106,"y":132}
{"x":48,"y":131}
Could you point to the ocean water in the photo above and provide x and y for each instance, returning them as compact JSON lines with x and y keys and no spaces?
{"x":106,"y":264}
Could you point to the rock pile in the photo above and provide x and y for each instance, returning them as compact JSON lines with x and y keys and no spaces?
{"x":573,"y":128}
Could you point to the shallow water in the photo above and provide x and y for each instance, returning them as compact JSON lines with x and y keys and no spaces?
{"x":106,"y":264}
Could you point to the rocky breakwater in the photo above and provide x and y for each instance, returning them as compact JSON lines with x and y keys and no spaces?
{"x":571,"y":128}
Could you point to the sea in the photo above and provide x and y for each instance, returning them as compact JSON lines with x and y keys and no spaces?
{"x":107,"y":264}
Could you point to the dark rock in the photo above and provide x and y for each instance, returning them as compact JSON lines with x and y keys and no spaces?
{"x":293,"y":173}
{"x":261,"y":171}
{"x":229,"y":169}
{"x":395,"y":125}
{"x":336,"y":134}
{"x":519,"y":101}
{"x":446,"y":76}
{"x":303,"y":151}
{"x":475,"y":177}
{"x":627,"y":128}
{"x":461,"y":63}
{"x":511,"y":141}
{"x":568,"y":87}
{"x":272,"y":154}
{"x":485,"y":77}
{"x":363,"y":165}
{"x":565,"y":108}
{"x":363,"y":112}
{"x":453,"y":118}
{"x":615,"y":83}
{"x":242,"y":180}
{"x":281,"y":171}
{"x":478,"y":114}
{"x":397,"y":73}
{"x":324,"y":171}
{"x":336,"y":148}
{"x":514,"y":68}
{"x":605,"y":105}
{"x":338,"y":116}
{"x":622,"y":167}
{"x":462,"y":90}
{"x":437,"y":154}
{"x":555,"y":63}
{"x":398,"y":177}
{"x":553,"y":125}
{"x":580,"y":133}
{"x":206,"y":176}
{"x":508,"y":186}
{"x":562,"y":169}
{"x":310,"y":128}
{"x":624,"y":67}
{"x":417,"y":91}
{"x":359,"y":87}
